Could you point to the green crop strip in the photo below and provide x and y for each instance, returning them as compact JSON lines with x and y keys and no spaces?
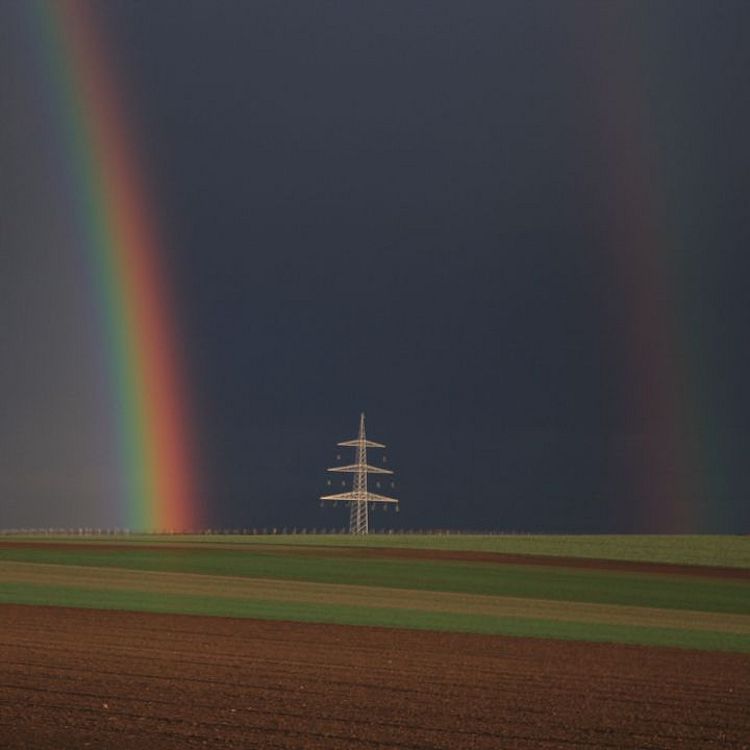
{"x":307,"y":559}
{"x":372,"y":616}
{"x":555,"y":583}
{"x":713,"y":550}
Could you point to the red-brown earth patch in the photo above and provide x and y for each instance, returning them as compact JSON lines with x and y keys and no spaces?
{"x":72,"y":678}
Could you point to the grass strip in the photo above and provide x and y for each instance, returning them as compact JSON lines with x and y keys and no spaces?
{"x":71,"y":596}
{"x":731,"y":551}
{"x":306,"y":592}
{"x":558,"y":584}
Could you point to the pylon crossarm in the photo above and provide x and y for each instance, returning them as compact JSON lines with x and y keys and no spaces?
{"x":356,"y":443}
{"x":372,"y":497}
{"x":354,"y":468}
{"x":340,"y":496}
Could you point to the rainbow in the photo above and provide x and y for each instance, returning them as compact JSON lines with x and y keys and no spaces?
{"x":125,"y":262}
{"x":670,"y":467}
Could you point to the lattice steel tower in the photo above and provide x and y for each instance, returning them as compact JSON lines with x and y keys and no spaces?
{"x":359,"y":497}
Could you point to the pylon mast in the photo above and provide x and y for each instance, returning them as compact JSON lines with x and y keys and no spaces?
{"x":360,"y":497}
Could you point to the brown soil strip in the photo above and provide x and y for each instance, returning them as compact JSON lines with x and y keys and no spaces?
{"x":117,"y":680}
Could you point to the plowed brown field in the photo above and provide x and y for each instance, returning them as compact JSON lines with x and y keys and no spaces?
{"x":86,"y":678}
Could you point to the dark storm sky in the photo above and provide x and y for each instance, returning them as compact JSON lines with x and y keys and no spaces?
{"x":432,"y":212}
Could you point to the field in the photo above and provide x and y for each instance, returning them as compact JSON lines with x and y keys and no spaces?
{"x":461,"y":641}
{"x":703,"y":549}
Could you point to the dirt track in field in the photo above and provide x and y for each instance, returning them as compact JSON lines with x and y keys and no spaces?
{"x":87,"y":678}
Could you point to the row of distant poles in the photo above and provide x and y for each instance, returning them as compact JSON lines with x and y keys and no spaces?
{"x":360,"y":498}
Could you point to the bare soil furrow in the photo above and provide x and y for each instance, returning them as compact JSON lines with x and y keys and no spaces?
{"x":114,"y":680}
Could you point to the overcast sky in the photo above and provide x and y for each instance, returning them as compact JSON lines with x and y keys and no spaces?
{"x":515,"y":234}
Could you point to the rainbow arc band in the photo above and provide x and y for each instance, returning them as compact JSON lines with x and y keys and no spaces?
{"x":122,"y":247}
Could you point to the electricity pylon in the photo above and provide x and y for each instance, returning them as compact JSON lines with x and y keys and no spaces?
{"x":360,"y":497}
